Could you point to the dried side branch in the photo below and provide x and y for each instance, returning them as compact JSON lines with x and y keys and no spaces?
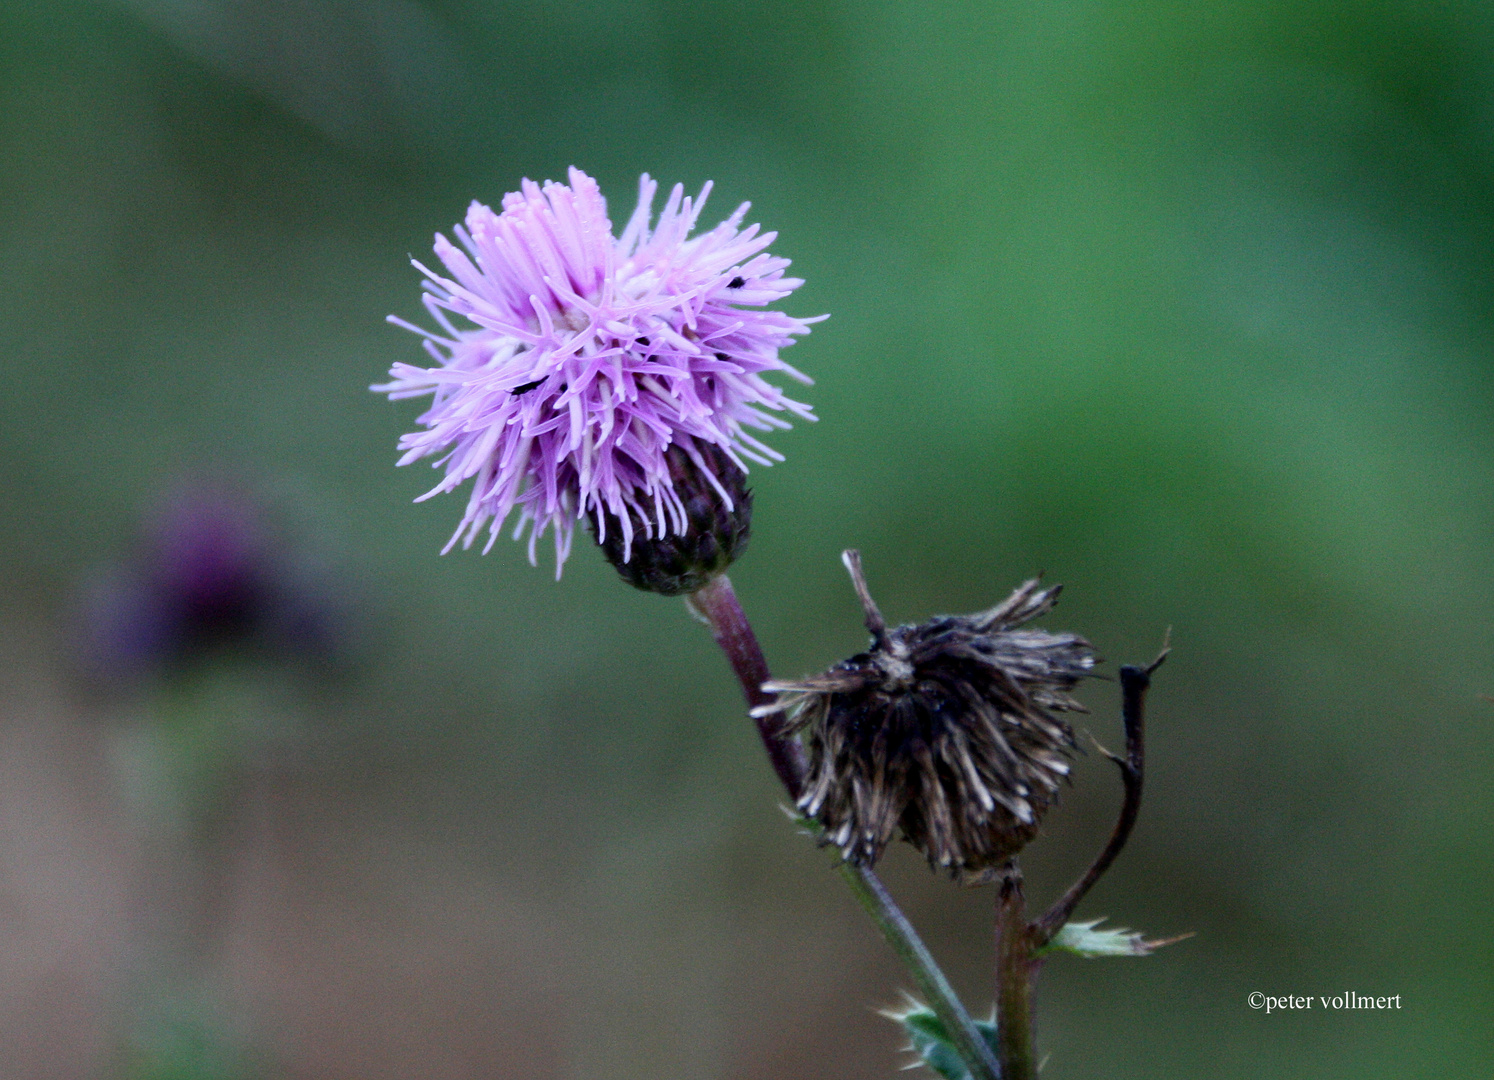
{"x":1134,"y":683}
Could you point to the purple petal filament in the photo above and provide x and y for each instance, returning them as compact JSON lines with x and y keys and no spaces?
{"x":589,"y":356}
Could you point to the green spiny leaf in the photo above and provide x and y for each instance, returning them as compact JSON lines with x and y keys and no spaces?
{"x":1083,"y":939}
{"x":928,"y":1039}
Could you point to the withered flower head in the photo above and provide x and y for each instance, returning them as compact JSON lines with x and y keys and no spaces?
{"x":946,"y":730}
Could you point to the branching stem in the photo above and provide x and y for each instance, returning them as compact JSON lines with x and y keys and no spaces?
{"x":1134,"y":682}
{"x":717,"y":604}
{"x":1017,"y":943}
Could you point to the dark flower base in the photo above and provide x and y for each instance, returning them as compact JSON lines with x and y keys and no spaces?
{"x":715,"y":537}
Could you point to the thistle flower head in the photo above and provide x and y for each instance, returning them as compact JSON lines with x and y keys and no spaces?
{"x":583,"y":359}
{"x":211,"y":576}
{"x":946,"y":731}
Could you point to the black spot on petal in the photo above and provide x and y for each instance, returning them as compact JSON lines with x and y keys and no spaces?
{"x":526,"y":387}
{"x":736,"y":283}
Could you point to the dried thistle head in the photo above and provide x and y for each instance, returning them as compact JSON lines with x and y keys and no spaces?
{"x":946,"y":730}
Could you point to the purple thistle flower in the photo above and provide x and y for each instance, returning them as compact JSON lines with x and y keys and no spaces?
{"x":210,"y":577}
{"x":592,"y":356}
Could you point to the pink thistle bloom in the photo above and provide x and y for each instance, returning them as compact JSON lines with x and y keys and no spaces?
{"x":591,"y":356}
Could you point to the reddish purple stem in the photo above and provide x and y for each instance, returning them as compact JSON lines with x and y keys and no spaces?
{"x":718,"y":605}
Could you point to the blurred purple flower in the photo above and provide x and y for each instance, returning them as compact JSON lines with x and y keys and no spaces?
{"x":208,"y":576}
{"x":592,"y":356}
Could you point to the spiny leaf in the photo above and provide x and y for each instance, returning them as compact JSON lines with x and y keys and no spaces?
{"x":928,"y":1039}
{"x":1082,"y":939}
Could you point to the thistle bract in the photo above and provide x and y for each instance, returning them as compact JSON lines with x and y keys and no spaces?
{"x":716,"y":533}
{"x":589,"y":358}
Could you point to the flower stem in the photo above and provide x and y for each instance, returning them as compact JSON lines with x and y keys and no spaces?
{"x":718,"y":605}
{"x":971,"y":1045}
{"x":1014,"y":971}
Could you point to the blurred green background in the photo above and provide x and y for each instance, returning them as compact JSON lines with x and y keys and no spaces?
{"x":1185,"y":305}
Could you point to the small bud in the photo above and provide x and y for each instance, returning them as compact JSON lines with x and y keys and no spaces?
{"x":945,"y":731}
{"x":685,"y":547}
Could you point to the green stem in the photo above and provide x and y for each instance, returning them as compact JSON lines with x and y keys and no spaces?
{"x":718,"y":605}
{"x":938,"y":994}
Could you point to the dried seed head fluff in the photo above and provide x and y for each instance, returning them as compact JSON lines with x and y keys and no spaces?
{"x":946,"y":731}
